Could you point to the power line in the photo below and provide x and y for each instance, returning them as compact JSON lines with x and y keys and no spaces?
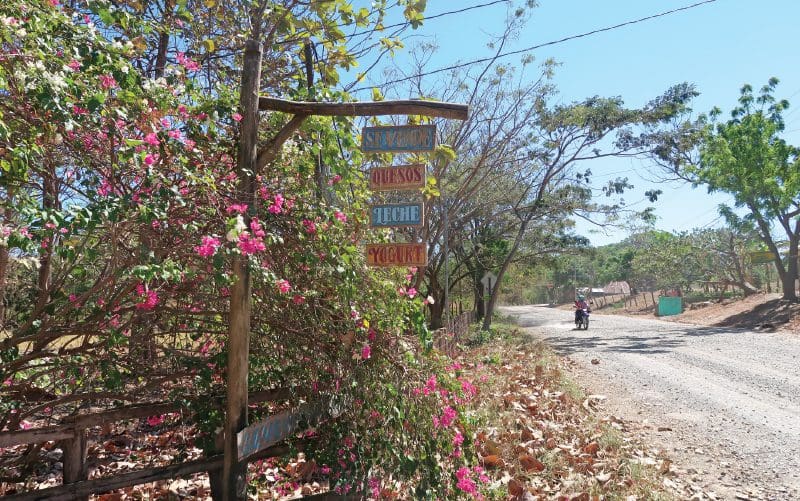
{"x":397,"y":25}
{"x":539,"y":46}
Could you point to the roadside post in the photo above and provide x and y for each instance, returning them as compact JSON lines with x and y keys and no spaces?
{"x":252,"y":162}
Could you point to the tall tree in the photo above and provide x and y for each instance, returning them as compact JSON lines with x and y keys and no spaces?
{"x":746,"y":157}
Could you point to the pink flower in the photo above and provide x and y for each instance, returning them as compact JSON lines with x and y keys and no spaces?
{"x":465,"y":482}
{"x":298,"y":299}
{"x":428,"y":300}
{"x":458,"y":439}
{"x":155,"y":420}
{"x":310,"y":226}
{"x":151,"y":139}
{"x":256,"y":228}
{"x":249,"y":245}
{"x":334,"y":180}
{"x":148,"y":298}
{"x":448,"y":416}
{"x":371,"y":334}
{"x":74,"y":65}
{"x":283,"y":286}
{"x":375,"y":487}
{"x":149,"y":159}
{"x":238,"y":208}
{"x":208,"y":247}
{"x":237,"y":117}
{"x":187,"y":62}
{"x":366,"y":352}
{"x":277,"y":205}
{"x":107,"y":82}
{"x":411,"y":292}
{"x":340,"y":216}
{"x":78,"y":110}
{"x":468,"y":388}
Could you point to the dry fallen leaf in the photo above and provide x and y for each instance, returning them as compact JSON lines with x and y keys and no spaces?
{"x":591,"y":448}
{"x":530,"y":463}
{"x":493,"y":461}
{"x":515,"y":487}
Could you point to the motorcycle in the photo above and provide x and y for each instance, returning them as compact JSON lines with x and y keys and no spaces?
{"x":582,"y":319}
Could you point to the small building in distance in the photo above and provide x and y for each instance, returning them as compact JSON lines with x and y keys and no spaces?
{"x":617,"y":288}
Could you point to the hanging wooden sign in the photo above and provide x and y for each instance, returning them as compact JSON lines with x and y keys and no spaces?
{"x":398,"y":138}
{"x":396,"y":215}
{"x":401,"y":177}
{"x":397,"y":255}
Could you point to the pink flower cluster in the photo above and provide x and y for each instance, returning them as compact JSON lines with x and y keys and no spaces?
{"x":148,"y":299}
{"x":283,"y":286}
{"x":467,"y":484}
{"x":411,"y":292}
{"x":107,"y":81}
{"x":208,"y":247}
{"x":276,"y":207}
{"x":187,"y":62}
{"x":310,"y":226}
{"x":252,"y":243}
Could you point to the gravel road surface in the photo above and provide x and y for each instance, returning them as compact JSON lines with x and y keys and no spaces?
{"x":723,"y":403}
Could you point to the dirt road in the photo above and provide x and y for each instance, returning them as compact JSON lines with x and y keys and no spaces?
{"x":723,"y":403}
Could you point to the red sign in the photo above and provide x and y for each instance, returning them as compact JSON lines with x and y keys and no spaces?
{"x":397,"y":254}
{"x":401,"y":177}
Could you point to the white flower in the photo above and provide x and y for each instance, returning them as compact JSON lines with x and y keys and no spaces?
{"x":238,"y":227}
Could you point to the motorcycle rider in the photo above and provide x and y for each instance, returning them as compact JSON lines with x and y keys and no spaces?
{"x":580,"y":305}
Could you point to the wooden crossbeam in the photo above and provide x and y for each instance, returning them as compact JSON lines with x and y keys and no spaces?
{"x":369,"y":109}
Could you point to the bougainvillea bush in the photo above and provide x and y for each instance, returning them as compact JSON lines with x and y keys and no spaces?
{"x":118,"y":223}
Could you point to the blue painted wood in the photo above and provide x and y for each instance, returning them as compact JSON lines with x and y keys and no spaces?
{"x":398,"y":138}
{"x":396,"y":215}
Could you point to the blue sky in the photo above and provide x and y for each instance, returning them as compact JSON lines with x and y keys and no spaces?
{"x":717,"y":46}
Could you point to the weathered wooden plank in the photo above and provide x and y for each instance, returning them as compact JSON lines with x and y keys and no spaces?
{"x":399,"y":177}
{"x":279,"y":427}
{"x":396,"y":215}
{"x":370,"y":109}
{"x":234,"y":473}
{"x":398,"y":139}
{"x":66,"y":429}
{"x":88,"y":487}
{"x":397,"y":254}
{"x":35,"y":436}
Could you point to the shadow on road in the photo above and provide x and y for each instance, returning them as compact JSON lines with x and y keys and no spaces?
{"x":661,"y":341}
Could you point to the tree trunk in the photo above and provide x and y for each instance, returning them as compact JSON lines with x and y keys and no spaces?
{"x":163,"y":42}
{"x":790,"y":277}
{"x":3,"y":275}
{"x":487,"y":320}
{"x":480,"y":304}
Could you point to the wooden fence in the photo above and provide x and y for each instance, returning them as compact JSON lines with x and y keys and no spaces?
{"x":72,"y":436}
{"x":448,"y":338}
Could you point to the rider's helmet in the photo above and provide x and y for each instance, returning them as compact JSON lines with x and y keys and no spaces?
{"x":581,"y":297}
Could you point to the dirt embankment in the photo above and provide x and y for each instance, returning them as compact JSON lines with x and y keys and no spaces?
{"x":758,"y":312}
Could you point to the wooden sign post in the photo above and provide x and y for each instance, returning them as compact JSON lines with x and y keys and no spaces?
{"x":252,"y":163}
